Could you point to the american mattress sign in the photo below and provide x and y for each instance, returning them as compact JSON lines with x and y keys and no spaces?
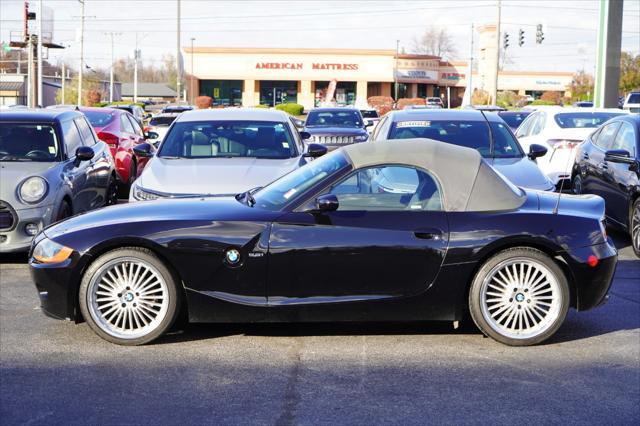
{"x":301,"y":66}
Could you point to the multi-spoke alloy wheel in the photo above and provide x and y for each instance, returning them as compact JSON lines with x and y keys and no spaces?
{"x":635,"y":227}
{"x":128,"y":296}
{"x":519,"y":297}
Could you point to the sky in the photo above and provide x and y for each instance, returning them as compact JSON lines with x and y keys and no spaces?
{"x":569,"y":45}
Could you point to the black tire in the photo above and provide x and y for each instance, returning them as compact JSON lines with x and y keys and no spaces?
{"x":576,"y":184}
{"x":481,"y":306}
{"x":634,"y":228}
{"x":111,"y":195}
{"x":125,"y":187}
{"x":64,"y":211}
{"x":125,"y":256}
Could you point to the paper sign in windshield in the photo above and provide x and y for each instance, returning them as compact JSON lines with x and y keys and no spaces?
{"x":413,"y":124}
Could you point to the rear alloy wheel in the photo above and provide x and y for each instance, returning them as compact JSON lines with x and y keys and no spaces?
{"x":128,"y":296}
{"x":519,"y":297}
{"x":576,"y":185}
{"x":635,"y":227}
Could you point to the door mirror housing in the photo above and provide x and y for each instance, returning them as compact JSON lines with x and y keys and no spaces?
{"x":618,"y":156}
{"x":305,"y":135}
{"x":151,"y":135}
{"x":83,"y":153}
{"x":368,"y":124}
{"x":147,"y":116}
{"x":327,"y":203}
{"x":315,"y":150}
{"x":536,"y":151}
{"x":143,"y":150}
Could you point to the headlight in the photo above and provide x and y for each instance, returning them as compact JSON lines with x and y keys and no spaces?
{"x":48,"y":251}
{"x":33,"y":190}
{"x":142,"y":195}
{"x":361,"y":138}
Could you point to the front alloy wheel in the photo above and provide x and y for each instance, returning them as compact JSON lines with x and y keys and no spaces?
{"x":519,"y":297}
{"x":577,"y":185}
{"x":128,"y":296}
{"x":635,"y":227}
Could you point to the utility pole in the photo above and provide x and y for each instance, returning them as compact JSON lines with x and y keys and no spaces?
{"x":135,"y":72}
{"x":64,"y":78}
{"x":178,"y":73}
{"x":395,"y":71}
{"x":468,"y":92}
{"x":494,"y":94}
{"x":39,"y":88}
{"x":607,"y":75}
{"x":81,"y":64}
{"x":30,"y":73}
{"x":191,"y":89}
{"x":112,"y":34}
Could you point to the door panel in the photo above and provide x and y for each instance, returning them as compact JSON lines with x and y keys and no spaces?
{"x":618,"y":179}
{"x":594,"y":182}
{"x":354,"y":255}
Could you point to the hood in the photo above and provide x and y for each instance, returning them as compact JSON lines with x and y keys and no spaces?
{"x":14,"y":172}
{"x":522,"y":172}
{"x":213,"y":176}
{"x":335,"y":131}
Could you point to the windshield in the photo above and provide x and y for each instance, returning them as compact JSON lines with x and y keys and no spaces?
{"x":634,"y":98}
{"x":345,"y":118}
{"x":568,"y":120}
{"x":369,"y":113}
{"x":28,"y":142}
{"x":471,"y":134}
{"x":279,"y":193}
{"x":162,"y":121}
{"x":99,"y":118}
{"x":211,"y":139}
{"x":513,"y":119}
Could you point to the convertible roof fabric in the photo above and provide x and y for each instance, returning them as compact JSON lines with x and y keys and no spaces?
{"x":468,"y":182}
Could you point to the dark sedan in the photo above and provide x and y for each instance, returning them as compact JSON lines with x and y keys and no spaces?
{"x":608,"y":164}
{"x":323,"y":243}
{"x":336,"y":127}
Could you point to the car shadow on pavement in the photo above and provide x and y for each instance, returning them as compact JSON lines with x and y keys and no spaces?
{"x":14,"y":258}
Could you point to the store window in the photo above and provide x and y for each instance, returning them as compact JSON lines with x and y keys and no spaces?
{"x":278,"y":92}
{"x":223,"y":92}
{"x":345,"y":92}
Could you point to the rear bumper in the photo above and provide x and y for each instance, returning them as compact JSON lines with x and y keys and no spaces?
{"x":592,"y":283}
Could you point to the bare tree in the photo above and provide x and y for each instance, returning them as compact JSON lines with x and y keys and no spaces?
{"x":435,"y":41}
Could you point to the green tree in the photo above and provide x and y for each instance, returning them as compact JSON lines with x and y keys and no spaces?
{"x":91,"y":92}
{"x":582,"y":86}
{"x":629,"y":72}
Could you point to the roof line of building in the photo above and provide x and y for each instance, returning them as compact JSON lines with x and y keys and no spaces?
{"x":310,"y":51}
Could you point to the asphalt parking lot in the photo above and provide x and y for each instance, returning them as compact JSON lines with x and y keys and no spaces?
{"x":53,"y":372}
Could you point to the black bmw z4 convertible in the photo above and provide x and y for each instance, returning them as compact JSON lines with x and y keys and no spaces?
{"x":400,"y":231}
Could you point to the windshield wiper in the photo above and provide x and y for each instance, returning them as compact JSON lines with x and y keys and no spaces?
{"x":13,"y":158}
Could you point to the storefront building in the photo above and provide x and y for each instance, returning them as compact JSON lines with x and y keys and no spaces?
{"x":250,"y":77}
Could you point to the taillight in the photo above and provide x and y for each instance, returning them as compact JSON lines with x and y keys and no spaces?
{"x":563,"y":143}
{"x":109,"y":138}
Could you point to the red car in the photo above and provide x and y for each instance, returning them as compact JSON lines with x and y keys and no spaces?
{"x":121,"y":131}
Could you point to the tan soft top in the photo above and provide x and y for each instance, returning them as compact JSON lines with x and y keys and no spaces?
{"x":467,"y":181}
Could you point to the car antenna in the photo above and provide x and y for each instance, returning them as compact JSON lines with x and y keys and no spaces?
{"x":555,"y":210}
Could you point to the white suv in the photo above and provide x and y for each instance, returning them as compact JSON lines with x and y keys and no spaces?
{"x":632,"y":102}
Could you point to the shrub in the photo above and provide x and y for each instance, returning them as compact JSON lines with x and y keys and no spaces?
{"x":261,"y":106}
{"x":140,"y":104}
{"x":554,"y":97}
{"x":93,"y":97}
{"x":479,"y":97}
{"x":541,"y":102}
{"x":382,"y":104}
{"x":509,"y":99}
{"x":203,"y":102}
{"x":293,"y":109}
{"x":409,"y":101}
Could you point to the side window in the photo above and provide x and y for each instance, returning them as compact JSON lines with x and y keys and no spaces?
{"x":85,"y":132}
{"x":388,"y":188}
{"x":539,"y":124}
{"x":525,"y":127}
{"x":72,"y":139}
{"x":625,"y":139}
{"x":126,"y":124}
{"x":605,"y":138}
{"x":296,"y":135}
{"x":136,"y":127}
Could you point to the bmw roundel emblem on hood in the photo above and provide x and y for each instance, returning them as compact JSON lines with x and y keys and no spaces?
{"x":232,"y":256}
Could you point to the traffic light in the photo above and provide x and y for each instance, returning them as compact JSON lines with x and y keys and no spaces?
{"x":520,"y":37}
{"x":6,"y":47}
{"x":539,"y":34}
{"x":506,"y":40}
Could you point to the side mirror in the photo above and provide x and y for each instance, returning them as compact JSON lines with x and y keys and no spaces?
{"x":368,"y":124}
{"x":305,"y":135}
{"x":147,"y":116}
{"x":315,"y":150}
{"x":83,"y":153}
{"x":618,"y":156}
{"x":151,"y":135}
{"x":536,"y":151}
{"x":143,"y":150}
{"x":327,"y":203}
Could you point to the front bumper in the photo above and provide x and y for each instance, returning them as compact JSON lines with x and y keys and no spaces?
{"x":17,"y":239}
{"x":592,"y":283}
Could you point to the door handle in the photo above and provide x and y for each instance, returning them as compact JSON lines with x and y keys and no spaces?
{"x":428,"y":234}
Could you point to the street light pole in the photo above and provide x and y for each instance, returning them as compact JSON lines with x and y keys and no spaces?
{"x":395,"y":71}
{"x":178,"y":73}
{"x":81,"y":64}
{"x":494,"y":95}
{"x":112,"y":34}
{"x":135,"y":72}
{"x":191,"y":89}
{"x":39,"y":88}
